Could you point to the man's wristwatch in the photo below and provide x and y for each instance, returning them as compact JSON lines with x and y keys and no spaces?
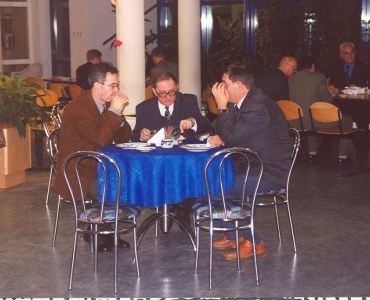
{"x":220,"y":111}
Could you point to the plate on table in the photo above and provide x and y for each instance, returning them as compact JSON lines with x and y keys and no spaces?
{"x":145,"y":148}
{"x":131,"y":145}
{"x":197,"y":147}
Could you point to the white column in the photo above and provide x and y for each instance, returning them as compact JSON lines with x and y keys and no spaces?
{"x":131,"y":54}
{"x":189,"y":47}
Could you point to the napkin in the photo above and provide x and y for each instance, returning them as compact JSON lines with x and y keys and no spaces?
{"x":157,"y":138}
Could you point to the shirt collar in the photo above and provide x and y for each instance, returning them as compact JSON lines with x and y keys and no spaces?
{"x":162,"y":108}
{"x":99,"y":105}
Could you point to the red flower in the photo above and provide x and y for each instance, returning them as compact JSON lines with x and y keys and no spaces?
{"x":117,"y":43}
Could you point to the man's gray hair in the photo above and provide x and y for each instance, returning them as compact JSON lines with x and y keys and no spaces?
{"x":347,"y":44}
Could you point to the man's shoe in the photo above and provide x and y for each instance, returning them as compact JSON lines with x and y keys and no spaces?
{"x":246,"y":251}
{"x":224,"y":243}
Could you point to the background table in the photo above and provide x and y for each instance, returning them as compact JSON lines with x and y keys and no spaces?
{"x":162,"y":177}
{"x":358,"y":106}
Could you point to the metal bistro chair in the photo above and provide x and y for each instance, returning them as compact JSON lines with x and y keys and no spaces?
{"x":282,"y":197}
{"x":207,"y":211}
{"x":52,"y":141}
{"x":88,"y":219}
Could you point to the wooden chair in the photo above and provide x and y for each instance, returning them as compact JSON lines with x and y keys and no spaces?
{"x":60,"y":90}
{"x":75,"y":90}
{"x":148,"y":92}
{"x":292,"y":112}
{"x":210,"y":104}
{"x":37,"y":82}
{"x":324,"y":112}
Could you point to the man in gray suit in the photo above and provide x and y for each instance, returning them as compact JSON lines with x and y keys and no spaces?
{"x":162,"y":64}
{"x":250,"y":119}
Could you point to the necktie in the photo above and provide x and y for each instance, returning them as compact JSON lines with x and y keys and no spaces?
{"x":167,"y":113}
{"x":236,"y":111}
{"x":348,"y":75}
{"x":104,"y":110}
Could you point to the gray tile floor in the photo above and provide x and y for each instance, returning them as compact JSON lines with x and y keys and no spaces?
{"x":330,"y":206}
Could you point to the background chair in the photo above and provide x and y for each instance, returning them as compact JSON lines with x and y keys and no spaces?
{"x":52,"y":150}
{"x":74,"y":90}
{"x":61,"y":90}
{"x":292,"y":112}
{"x":207,"y":212}
{"x":148,"y":92}
{"x":210,"y":104}
{"x":37,"y":82}
{"x":330,"y":121}
{"x":92,"y":219}
{"x":277,"y":198}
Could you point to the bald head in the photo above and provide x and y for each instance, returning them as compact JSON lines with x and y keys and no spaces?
{"x":288,"y":65}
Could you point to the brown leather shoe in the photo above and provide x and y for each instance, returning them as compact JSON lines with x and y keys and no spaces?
{"x":224,"y":243}
{"x":246,"y":251}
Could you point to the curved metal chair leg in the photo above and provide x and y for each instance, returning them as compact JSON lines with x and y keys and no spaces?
{"x":49,"y":184}
{"x":277,"y":218}
{"x":291,"y":226}
{"x":56,"y":222}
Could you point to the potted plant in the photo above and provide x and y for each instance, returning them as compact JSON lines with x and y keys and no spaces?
{"x":18,"y":111}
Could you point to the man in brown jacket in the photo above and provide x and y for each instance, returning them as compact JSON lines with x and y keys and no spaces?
{"x":91,"y":121}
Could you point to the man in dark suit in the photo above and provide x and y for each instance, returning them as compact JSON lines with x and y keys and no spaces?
{"x":93,"y":57}
{"x":248,"y":118}
{"x":275,"y":82}
{"x":169,"y":107}
{"x":349,"y":72}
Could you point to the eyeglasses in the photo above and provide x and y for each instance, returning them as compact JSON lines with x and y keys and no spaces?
{"x":164,"y":94}
{"x":293,"y":66}
{"x":113,"y":85}
{"x":348,"y":52}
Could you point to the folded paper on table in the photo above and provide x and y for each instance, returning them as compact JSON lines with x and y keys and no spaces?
{"x":157,"y":138}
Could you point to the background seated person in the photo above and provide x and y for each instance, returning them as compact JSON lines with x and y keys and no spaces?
{"x":169,"y":107}
{"x":348,"y":72}
{"x":93,"y":57}
{"x":274,"y":83}
{"x":161,"y":64}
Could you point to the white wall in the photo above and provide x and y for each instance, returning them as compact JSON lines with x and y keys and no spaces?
{"x":91,"y":23}
{"x":40,"y":45}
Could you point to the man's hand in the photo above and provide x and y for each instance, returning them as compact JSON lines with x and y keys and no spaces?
{"x":118,"y":103}
{"x":216,"y":141}
{"x":221,"y":95}
{"x":186,"y":124}
{"x":145,"y":134}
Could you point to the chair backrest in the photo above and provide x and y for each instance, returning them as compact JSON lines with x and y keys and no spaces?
{"x":75,"y":90}
{"x":72,"y":167}
{"x":59,"y":89}
{"x":294,"y":133}
{"x":251,"y":166}
{"x":210,"y":101}
{"x":52,"y":142}
{"x":46,"y":98}
{"x":37,"y":82}
{"x":325,"y":112}
{"x":148,"y":92}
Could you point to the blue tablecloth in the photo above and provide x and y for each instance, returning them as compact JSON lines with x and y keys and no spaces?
{"x":162,"y":176}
